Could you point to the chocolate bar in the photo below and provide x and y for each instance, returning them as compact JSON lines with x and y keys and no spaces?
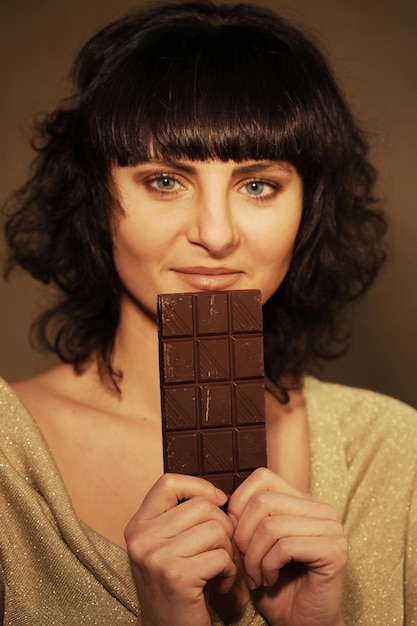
{"x":212,"y":384}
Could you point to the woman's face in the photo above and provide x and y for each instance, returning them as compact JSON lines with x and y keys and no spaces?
{"x":206,"y":225}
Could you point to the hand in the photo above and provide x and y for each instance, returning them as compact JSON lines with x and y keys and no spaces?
{"x":175,"y":549}
{"x":293,"y":550}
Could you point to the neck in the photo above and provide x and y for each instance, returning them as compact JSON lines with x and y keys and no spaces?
{"x":135,"y":355}
{"x":288,"y":439}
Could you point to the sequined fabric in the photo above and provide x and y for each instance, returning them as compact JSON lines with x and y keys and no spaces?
{"x":56,"y":571}
{"x":364,"y":462}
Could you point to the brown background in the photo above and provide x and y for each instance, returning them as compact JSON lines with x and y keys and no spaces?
{"x":372,"y":45}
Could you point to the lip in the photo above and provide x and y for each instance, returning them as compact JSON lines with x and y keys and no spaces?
{"x":209,"y":278}
{"x":207,"y":271}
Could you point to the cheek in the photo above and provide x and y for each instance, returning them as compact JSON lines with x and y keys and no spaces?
{"x":275,"y":244}
{"x":132,"y":240}
{"x":275,"y":249}
{"x":141,"y":248}
{"x":129,"y":253}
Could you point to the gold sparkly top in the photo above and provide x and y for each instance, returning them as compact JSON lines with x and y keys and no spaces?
{"x":57,"y":571}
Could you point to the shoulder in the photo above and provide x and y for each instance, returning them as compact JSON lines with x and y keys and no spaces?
{"x":22,"y":448}
{"x":363,"y":417}
{"x":39,"y":402}
{"x":6,"y":393}
{"x":12,"y":409}
{"x":353,"y":405}
{"x":52,"y":394}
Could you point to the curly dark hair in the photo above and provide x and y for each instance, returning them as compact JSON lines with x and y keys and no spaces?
{"x":198,"y":81}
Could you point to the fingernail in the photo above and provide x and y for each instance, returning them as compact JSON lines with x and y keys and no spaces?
{"x":220,"y":494}
{"x":224,"y":506}
{"x":232,"y":519}
{"x":251,"y":583}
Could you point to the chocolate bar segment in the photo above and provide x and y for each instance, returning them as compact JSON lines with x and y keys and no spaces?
{"x":212,"y":384}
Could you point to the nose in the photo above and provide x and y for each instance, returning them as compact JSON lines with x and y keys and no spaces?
{"x":213,"y":226}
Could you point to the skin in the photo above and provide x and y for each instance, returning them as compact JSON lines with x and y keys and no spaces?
{"x":214,"y":225}
{"x":206,"y":225}
{"x":293,"y":551}
{"x":185,"y":227}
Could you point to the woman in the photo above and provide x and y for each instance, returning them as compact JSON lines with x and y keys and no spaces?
{"x":204,"y":148}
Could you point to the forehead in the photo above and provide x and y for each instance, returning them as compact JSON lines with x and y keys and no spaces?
{"x":238,"y":167}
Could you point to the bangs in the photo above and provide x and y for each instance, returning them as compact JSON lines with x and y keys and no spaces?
{"x":201,"y":93}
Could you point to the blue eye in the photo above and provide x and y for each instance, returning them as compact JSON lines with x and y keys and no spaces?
{"x":255,"y":188}
{"x":165,"y":183}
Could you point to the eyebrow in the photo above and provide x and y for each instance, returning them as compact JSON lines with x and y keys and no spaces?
{"x":247,"y":168}
{"x":260,"y":166}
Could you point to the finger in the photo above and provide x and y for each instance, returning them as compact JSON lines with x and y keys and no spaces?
{"x":261,"y":480}
{"x":264,"y":505}
{"x":205,"y":537}
{"x":152,"y":543}
{"x":214,"y":564}
{"x":170,"y":489}
{"x":259,"y":561}
{"x":185,"y":578}
{"x":323,"y":555}
{"x":195,"y":511}
{"x":177,"y":520}
{"x":194,"y":557}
